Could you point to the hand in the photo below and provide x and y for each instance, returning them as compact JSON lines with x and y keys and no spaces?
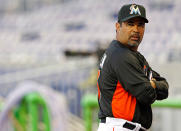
{"x":153,"y":79}
{"x":153,"y":83}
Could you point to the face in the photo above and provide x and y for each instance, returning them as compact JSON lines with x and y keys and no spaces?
{"x":130,"y":32}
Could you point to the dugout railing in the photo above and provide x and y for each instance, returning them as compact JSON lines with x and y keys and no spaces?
{"x":89,"y":103}
{"x":32,"y":113}
{"x":27,"y":114}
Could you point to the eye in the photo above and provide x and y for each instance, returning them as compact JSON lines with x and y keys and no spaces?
{"x":130,"y":23}
{"x":141,"y":24}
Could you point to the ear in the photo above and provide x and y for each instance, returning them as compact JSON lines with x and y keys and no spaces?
{"x":117,"y":26}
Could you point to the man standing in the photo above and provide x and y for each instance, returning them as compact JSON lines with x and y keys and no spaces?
{"x":127,"y":85}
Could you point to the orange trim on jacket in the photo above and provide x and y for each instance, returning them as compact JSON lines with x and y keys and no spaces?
{"x":98,"y":74}
{"x":123,"y":103}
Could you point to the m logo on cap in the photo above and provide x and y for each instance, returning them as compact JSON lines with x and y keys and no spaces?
{"x":134,"y":10}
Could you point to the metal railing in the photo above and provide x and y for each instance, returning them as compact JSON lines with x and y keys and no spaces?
{"x":32,"y":113}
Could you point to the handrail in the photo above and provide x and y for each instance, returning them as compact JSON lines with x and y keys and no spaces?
{"x":89,"y":102}
{"x":26,"y":114}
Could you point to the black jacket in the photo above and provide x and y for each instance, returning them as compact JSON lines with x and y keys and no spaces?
{"x":124,"y":89}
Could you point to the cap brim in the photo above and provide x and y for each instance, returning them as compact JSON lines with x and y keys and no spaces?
{"x":134,"y":16}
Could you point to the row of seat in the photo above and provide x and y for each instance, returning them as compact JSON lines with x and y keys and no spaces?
{"x":80,"y":24}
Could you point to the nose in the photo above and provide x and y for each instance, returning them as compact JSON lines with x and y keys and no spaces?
{"x":135,"y":28}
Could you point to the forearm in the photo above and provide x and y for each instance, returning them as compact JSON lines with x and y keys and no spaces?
{"x":148,"y":96}
{"x":161,"y":86}
{"x":161,"y":89}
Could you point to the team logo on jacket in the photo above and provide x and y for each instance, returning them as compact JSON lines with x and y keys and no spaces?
{"x":134,"y":10}
{"x":148,"y":72}
{"x":103,"y":60}
{"x":145,"y":69}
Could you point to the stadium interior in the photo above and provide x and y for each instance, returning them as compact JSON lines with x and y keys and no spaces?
{"x":58,"y":43}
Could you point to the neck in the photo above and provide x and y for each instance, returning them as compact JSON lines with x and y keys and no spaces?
{"x":133,"y":48}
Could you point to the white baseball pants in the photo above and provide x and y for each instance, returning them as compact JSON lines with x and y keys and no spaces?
{"x":116,"y":124}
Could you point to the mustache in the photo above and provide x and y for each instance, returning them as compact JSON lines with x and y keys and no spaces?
{"x":135,"y":35}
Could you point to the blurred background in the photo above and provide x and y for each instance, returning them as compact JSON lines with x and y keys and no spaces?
{"x":59,"y":43}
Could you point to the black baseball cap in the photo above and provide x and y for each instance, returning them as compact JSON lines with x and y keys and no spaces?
{"x":131,"y":11}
